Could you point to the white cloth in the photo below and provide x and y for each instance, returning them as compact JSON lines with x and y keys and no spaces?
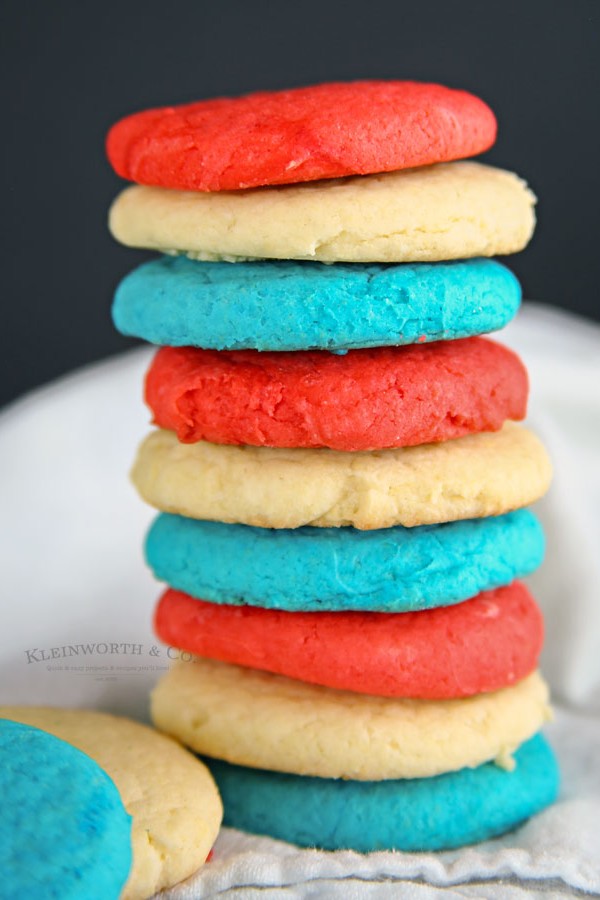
{"x":78,"y":607}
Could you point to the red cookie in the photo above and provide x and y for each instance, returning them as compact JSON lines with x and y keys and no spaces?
{"x":479,"y":645}
{"x":283,"y":137}
{"x":367,"y":399}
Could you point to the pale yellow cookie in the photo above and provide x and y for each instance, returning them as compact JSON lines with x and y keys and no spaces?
{"x":479,"y":475}
{"x":266,"y":721}
{"x":171,"y":797}
{"x":448,"y":211}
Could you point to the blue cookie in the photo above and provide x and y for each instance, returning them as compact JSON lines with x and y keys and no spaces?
{"x":419,"y":814}
{"x":174,"y":301}
{"x":387,"y":570}
{"x":64,"y":832}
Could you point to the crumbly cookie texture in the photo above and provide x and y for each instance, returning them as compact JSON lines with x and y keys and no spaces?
{"x":320,"y":131}
{"x":362,"y":400}
{"x":266,"y":721}
{"x":174,"y":301}
{"x":172,"y":798}
{"x":479,"y":475}
{"x":441,"y":212}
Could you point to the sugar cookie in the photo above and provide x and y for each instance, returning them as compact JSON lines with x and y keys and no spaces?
{"x":266,"y":721}
{"x":281,"y":305}
{"x":315,"y":569}
{"x":64,"y":831}
{"x":178,"y":302}
{"x":444,"y":212}
{"x":172,"y":799}
{"x":362,"y":400}
{"x":322,"y":131}
{"x":417,"y":815}
{"x":479,"y":475}
{"x":477,"y":646}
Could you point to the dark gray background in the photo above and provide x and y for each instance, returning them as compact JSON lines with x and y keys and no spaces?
{"x":69,"y":69}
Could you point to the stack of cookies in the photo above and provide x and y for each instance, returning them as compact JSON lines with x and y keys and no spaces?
{"x":341,"y":479}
